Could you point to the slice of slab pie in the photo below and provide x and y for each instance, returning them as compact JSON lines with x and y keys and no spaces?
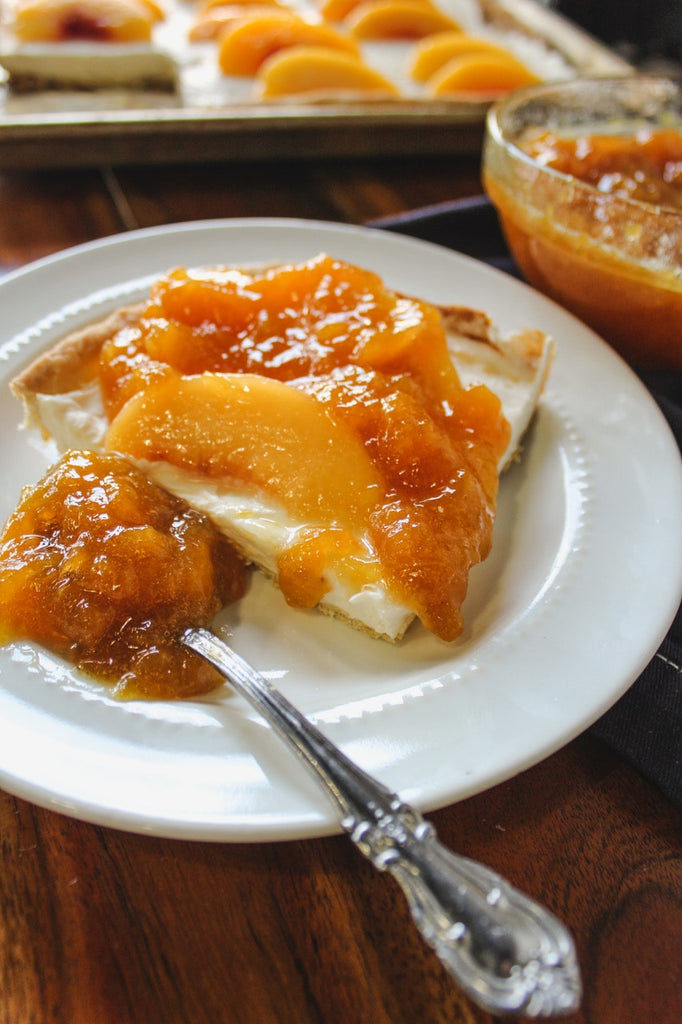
{"x":346,"y":438}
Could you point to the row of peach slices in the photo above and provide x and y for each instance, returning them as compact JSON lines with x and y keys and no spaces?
{"x":289,"y":54}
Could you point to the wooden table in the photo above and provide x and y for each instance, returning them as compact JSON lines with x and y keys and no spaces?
{"x":102,"y":927}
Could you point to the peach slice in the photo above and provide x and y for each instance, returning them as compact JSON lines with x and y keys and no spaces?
{"x":397,"y":19}
{"x":308,"y":70}
{"x":431,"y":54}
{"x":156,"y":10}
{"x":259,"y":432}
{"x":208,"y":5}
{"x":480,"y":74}
{"x":210,"y":23}
{"x":120,"y":21}
{"x":338,"y":10}
{"x":245,"y":46}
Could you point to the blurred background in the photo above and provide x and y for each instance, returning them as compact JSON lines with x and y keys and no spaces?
{"x":648,"y":33}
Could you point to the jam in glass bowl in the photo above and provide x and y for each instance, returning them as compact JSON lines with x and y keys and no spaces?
{"x":586,"y":177}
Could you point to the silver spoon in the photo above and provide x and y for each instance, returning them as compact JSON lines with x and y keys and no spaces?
{"x":508,"y":953}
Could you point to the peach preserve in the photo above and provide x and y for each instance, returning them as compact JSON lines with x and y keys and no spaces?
{"x":594,"y":220}
{"x":102,"y":567}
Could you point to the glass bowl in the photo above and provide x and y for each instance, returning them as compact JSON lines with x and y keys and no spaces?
{"x":614,"y":261}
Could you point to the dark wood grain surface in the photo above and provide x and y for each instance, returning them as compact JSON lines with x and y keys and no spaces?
{"x":102,"y":927}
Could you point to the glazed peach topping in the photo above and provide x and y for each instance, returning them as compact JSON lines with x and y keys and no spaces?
{"x":336,"y":397}
{"x":102,"y":567}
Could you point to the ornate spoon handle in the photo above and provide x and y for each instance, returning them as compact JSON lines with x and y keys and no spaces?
{"x":508,"y":953}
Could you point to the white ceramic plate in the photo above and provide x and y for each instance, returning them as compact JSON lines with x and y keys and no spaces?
{"x":584,"y":579}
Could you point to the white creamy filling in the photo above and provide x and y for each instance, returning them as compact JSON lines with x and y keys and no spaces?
{"x":261,"y":530}
{"x":90,"y":65}
{"x":74,"y":419}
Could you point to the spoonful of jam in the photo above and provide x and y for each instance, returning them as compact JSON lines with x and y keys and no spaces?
{"x":105,"y":569}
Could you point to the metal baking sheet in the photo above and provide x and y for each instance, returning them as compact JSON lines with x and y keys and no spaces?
{"x":210,"y":117}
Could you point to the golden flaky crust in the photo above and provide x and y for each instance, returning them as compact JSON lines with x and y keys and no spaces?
{"x":526,"y":346}
{"x":69,"y":364}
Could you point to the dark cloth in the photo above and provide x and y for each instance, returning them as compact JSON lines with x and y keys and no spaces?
{"x":642,"y":32}
{"x":645,"y":725}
